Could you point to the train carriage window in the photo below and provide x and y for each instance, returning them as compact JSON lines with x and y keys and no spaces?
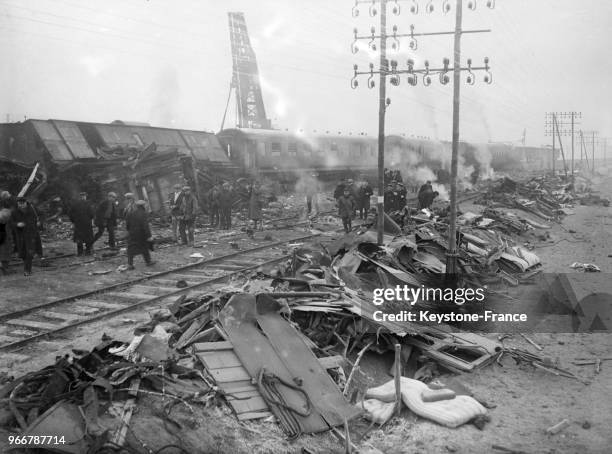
{"x":275,"y":148}
{"x":292,"y":148}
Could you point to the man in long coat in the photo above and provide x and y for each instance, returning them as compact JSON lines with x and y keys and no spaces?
{"x":188,"y":211}
{"x":174,"y":201}
{"x":6,"y":239}
{"x":255,"y":204}
{"x":226,"y":200}
{"x":213,"y":205}
{"x":106,"y":218}
{"x":425,"y":196}
{"x":346,"y":208}
{"x":139,"y":234}
{"x":82,"y":214}
{"x":25,"y":220}
{"x":365,"y":192}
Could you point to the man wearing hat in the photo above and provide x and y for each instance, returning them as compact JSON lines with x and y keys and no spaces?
{"x":130,"y":200}
{"x":174,"y":202}
{"x":139,"y":234}
{"x":81,"y":215}
{"x":27,"y":237}
{"x":188,"y":211}
{"x":106,"y":218}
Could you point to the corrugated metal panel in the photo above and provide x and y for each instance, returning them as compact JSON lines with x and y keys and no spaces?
{"x":52,"y":140}
{"x":75,"y":141}
{"x":205,"y":146}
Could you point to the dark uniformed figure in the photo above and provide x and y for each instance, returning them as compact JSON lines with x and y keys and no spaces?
{"x":8,"y":201}
{"x":27,"y":237}
{"x":346,"y":208}
{"x":174,"y":203}
{"x":129,"y":204}
{"x":365,"y":192}
{"x":226,"y":200}
{"x":401,"y":191}
{"x":7,"y":232}
{"x":213,"y":205}
{"x":81,"y":215}
{"x":139,"y":234}
{"x":339,"y":191}
{"x":188,"y":211}
{"x":255,"y":206}
{"x":106,"y":218}
{"x":425,"y":195}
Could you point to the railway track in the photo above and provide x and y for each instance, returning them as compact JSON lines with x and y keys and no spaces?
{"x":21,"y":327}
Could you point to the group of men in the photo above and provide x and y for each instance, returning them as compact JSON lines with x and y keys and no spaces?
{"x":352,"y":199}
{"x":20,"y":226}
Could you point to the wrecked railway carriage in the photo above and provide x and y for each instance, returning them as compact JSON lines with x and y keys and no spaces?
{"x":98,"y":157}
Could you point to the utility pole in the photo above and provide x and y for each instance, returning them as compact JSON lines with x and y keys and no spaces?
{"x":382,"y":107}
{"x":561,"y":124}
{"x":592,"y":137}
{"x":553,"y":137}
{"x":390,"y":68}
{"x":451,"y":255}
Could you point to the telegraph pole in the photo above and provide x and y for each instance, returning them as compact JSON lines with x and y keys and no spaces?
{"x":384,"y":69}
{"x":390,"y":68}
{"x":451,"y":256}
{"x":561,"y":124}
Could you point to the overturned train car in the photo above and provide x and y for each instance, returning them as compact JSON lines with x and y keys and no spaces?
{"x":97,"y":157}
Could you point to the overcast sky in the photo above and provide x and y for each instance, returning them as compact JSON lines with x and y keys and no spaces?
{"x":169,"y":63}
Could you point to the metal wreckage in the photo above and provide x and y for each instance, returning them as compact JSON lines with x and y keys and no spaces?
{"x":288,"y":341}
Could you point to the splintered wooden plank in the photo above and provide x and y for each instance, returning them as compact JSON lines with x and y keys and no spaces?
{"x":230,"y":374}
{"x":331,"y":362}
{"x":219,"y":359}
{"x":213,"y":346}
{"x":301,"y":362}
{"x":254,"y":403}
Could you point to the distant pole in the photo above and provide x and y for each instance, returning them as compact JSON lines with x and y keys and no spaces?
{"x":572,"y":147}
{"x":593,"y":150}
{"x":384,"y":68}
{"x":451,"y":255}
{"x":553,"y":150}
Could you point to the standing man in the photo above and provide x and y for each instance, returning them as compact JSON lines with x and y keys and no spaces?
{"x":339,"y":191}
{"x":6,"y":239}
{"x":213,"y":205}
{"x":139,"y":234}
{"x":26,"y":229}
{"x":346,"y":207}
{"x":226,"y":199}
{"x":130,"y":201}
{"x":175,"y":209}
{"x":365,"y":194}
{"x":106,"y":218}
{"x":82,"y":215}
{"x":425,"y":196}
{"x":187,"y":211}
{"x":255,"y":205}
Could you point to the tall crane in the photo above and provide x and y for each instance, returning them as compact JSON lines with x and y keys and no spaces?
{"x":245,"y":78}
